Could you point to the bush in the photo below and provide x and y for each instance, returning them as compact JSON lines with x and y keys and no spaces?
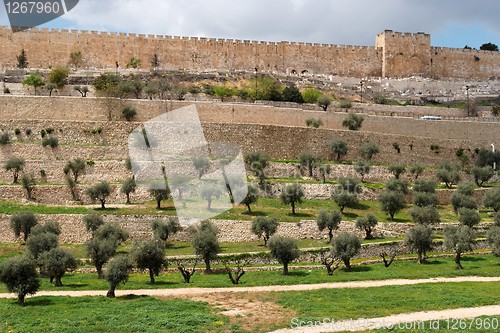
{"x":59,"y":77}
{"x":264,"y":227}
{"x":284,"y":249}
{"x":129,"y":113}
{"x":51,"y":141}
{"x":345,"y":246}
{"x":4,"y":138}
{"x":17,"y":131}
{"x":419,"y":239}
{"x":369,"y":150}
{"x":292,"y":94}
{"x":206,"y":244}
{"x":353,"y":121}
{"x":328,"y":220}
{"x":311,"y":95}
{"x":23,"y":223}
{"x":313,"y":122}
{"x":117,"y":272}
{"x":20,"y":276}
{"x":345,"y":104}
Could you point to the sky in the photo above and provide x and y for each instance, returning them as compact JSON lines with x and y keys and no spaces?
{"x":451,"y":23}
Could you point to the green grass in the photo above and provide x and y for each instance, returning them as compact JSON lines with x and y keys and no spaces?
{"x":99,"y":314}
{"x":341,"y":304}
{"x":480,"y":265}
{"x":10,"y":207}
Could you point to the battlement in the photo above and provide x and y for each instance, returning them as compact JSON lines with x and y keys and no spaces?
{"x":396,"y":54}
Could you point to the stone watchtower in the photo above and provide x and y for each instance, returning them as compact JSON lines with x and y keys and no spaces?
{"x":405,"y":54}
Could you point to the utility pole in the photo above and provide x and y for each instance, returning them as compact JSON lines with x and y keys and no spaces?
{"x":361,"y":87}
{"x":494,"y":163}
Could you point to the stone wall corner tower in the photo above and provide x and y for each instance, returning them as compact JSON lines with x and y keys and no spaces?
{"x":404,"y":54}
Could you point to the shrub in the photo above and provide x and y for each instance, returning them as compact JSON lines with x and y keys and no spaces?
{"x":51,"y":141}
{"x":353,"y":121}
{"x":129,"y":113}
{"x":345,"y":104}
{"x":284,"y":249}
{"x":313,"y":122}
{"x":20,"y":276}
{"x":134,"y":63}
{"x":17,"y":131}
{"x":311,"y":95}
{"x":345,"y":246}
{"x":396,"y":146}
{"x":4,"y":138}
{"x":28,"y":131}
{"x":264,"y":227}
{"x":292,"y":94}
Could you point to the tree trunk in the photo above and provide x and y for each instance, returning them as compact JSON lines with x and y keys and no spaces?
{"x":457,"y":260}
{"x":368,"y":233}
{"x":347,"y":263}
{"x":420,"y":259}
{"x":103,"y":202}
{"x":392,"y":216}
{"x":58,"y":281}
{"x":249,"y":209}
{"x":293,"y":207}
{"x":330,"y":235}
{"x":100,"y":273}
{"x":151,"y":276}
{"x":310,"y":171}
{"x":158,"y":204}
{"x":209,"y":207}
{"x":208,"y":270}
{"x":285,"y":268}
{"x":20,"y":298}
{"x":111,"y":291}
{"x":128,"y":198}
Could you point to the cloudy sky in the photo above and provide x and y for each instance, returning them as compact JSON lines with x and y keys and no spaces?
{"x":452,"y":23}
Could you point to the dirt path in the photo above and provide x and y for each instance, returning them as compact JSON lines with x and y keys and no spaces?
{"x":406,"y":321}
{"x":204,"y":291}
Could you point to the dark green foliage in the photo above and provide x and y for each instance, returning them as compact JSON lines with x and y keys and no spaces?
{"x":100,"y":251}
{"x":369,"y":150}
{"x":76,"y":167}
{"x":256,"y":162}
{"x":461,"y":200}
{"x":448,"y":174}
{"x":427,"y":186}
{"x":345,"y":199}
{"x":392,"y":202}
{"x":58,"y":77}
{"x":206,"y":243}
{"x":150,"y":255}
{"x":367,"y":224}
{"x":34,"y":80}
{"x":482,"y":175}
{"x":51,"y":227}
{"x":313,"y":122}
{"x":264,"y":227}
{"x":324,"y":102}
{"x":486,"y":158}
{"x":20,"y":276}
{"x":292,"y":94}
{"x":128,"y":187}
{"x":284,"y":249}
{"x":164,"y":229}
{"x":159,"y":195}
{"x":339,"y":148}
{"x":416,"y":170}
{"x":309,"y":161}
{"x":23,"y":223}
{"x":469,"y":217}
{"x":202,"y":165}
{"x":117,"y":272}
{"x":292,"y":195}
{"x":362,"y":168}
{"x":50,"y":141}
{"x":4,"y":138}
{"x":345,"y":246}
{"x":492,"y":199}
{"x":459,"y":240}
{"x":56,"y":262}
{"x":22,"y":60}
{"x":107,"y":84}
{"x":112,"y":231}
{"x":419,"y":239}
{"x":494,"y":240}
{"x":423,"y":199}
{"x":92,"y":223}
{"x":100,"y":191}
{"x":129,"y":113}
{"x":425,"y":215}
{"x":41,"y":242}
{"x":251,"y":197}
{"x":15,"y":165}
{"x":397,"y":185}
{"x":397,"y":170}
{"x":489,"y":47}
{"x":353,"y":121}
{"x":329,"y":220}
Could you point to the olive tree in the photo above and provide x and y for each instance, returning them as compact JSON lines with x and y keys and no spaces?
{"x":149,"y":255}
{"x":392,"y":202}
{"x":251,"y":197}
{"x":369,"y":150}
{"x":257,"y":162}
{"x":117,"y":272}
{"x":353,"y":121}
{"x":494,"y":240}
{"x":309,"y":161}
{"x":324,"y":170}
{"x":264,"y":227}
{"x":463,"y":197}
{"x":100,"y":191}
{"x":425,"y":215}
{"x":164,"y":229}
{"x":14,"y":165}
{"x":419,"y":239}
{"x":292,"y":195}
{"x":210,"y":192}
{"x":424,"y":199}
{"x":283,"y":249}
{"x":206,"y":244}
{"x":459,"y":239}
{"x":345,"y":246}
{"x":367,"y":224}
{"x":23,"y":223}
{"x":345,"y":194}
{"x":128,"y":187}
{"x":329,"y":220}
{"x":426,"y":186}
{"x":492,"y":199}
{"x":76,"y":167}
{"x":482,"y":175}
{"x":339,"y":148}
{"x":397,"y":170}
{"x":469,"y":217}
{"x":160,"y":194}
{"x":416,"y":170}
{"x":43,"y":242}
{"x":56,"y":262}
{"x":20,"y":276}
{"x":202,"y":165}
{"x":362,"y":168}
{"x":448,"y":174}
{"x":92,"y":222}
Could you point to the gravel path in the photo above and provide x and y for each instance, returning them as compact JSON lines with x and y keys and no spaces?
{"x":407,"y":321}
{"x":204,"y":291}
